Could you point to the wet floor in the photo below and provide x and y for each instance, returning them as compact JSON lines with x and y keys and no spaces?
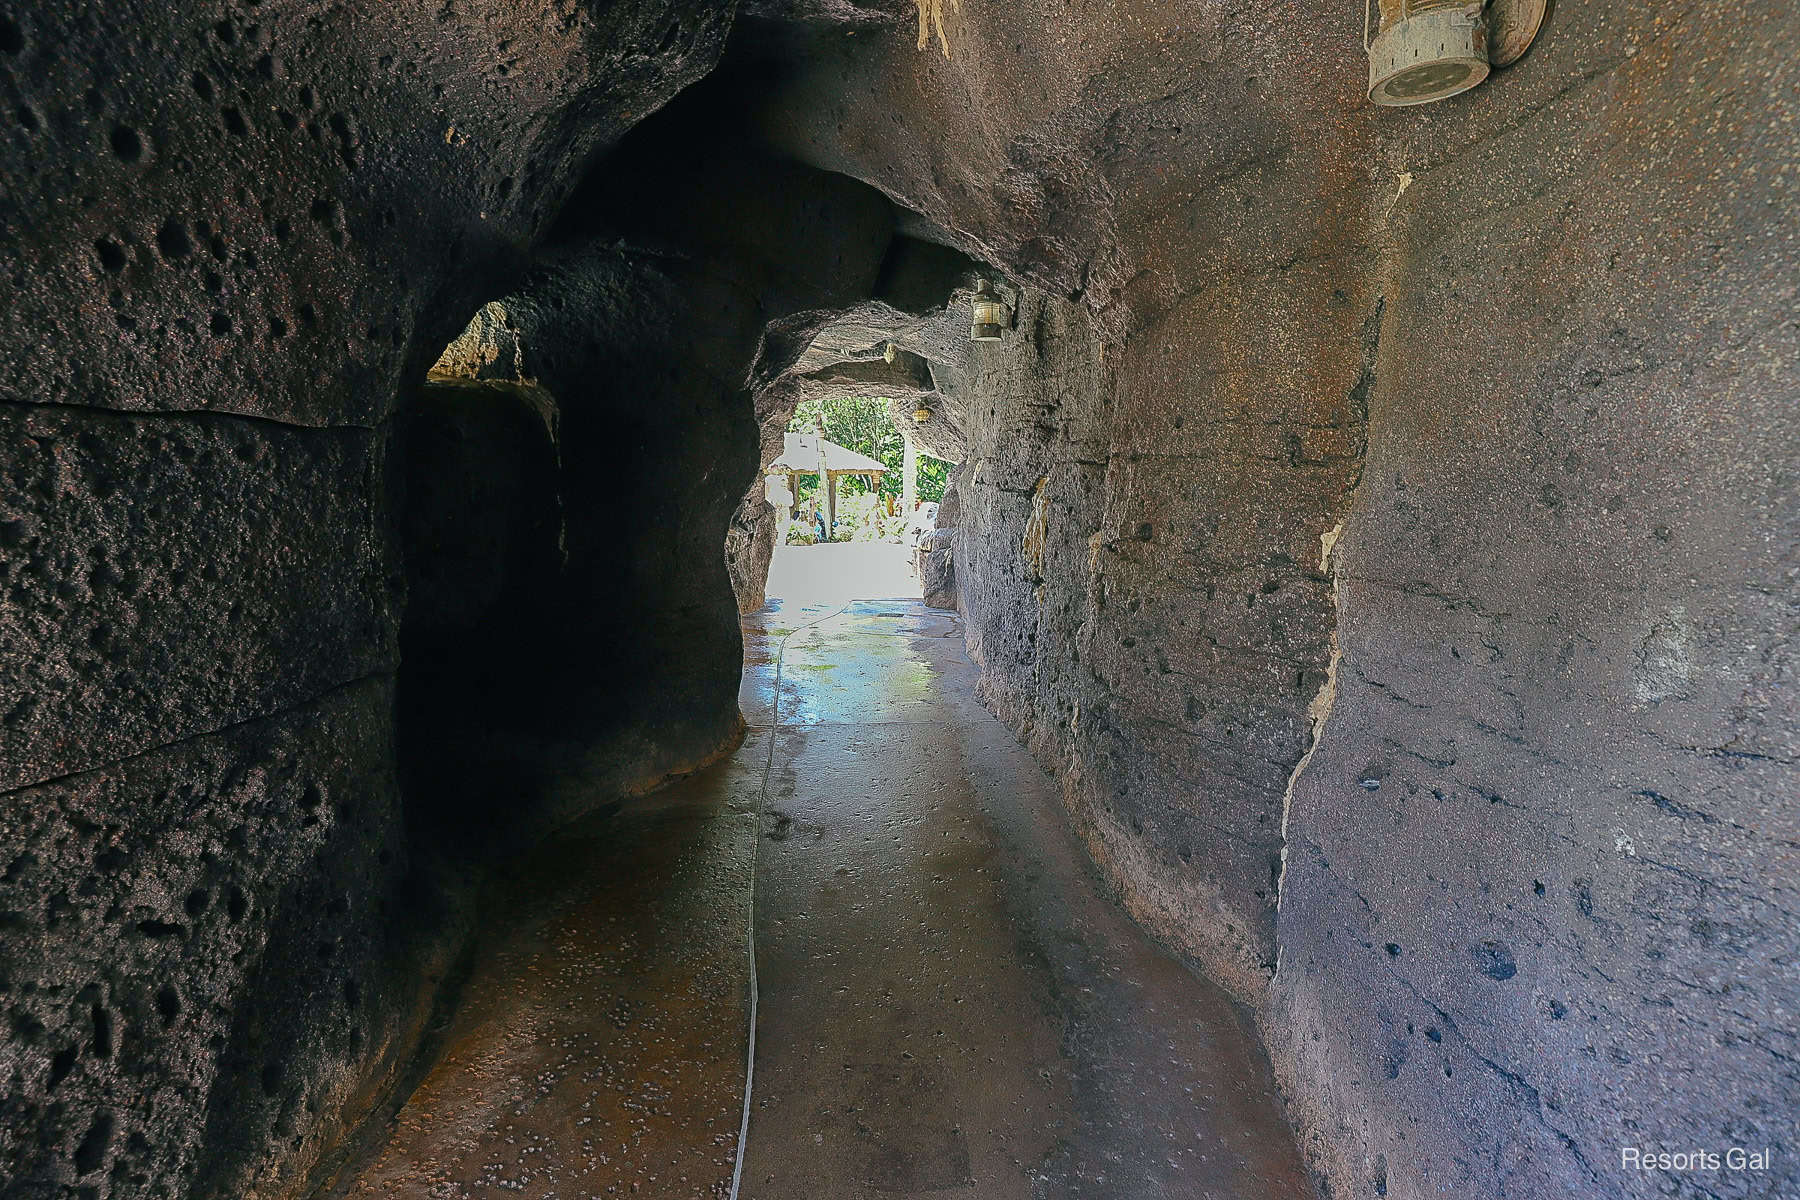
{"x":948,"y":1004}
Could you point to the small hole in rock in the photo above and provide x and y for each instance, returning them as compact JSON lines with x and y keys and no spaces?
{"x":234,"y":122}
{"x":92,"y":1152}
{"x":112,"y":255}
{"x":173,"y":240}
{"x":12,"y":38}
{"x":221,"y":324}
{"x":60,"y":1066}
{"x":126,"y":144}
{"x":28,"y":120}
{"x":103,"y":1032}
{"x":203,"y":87}
{"x":168,"y":1004}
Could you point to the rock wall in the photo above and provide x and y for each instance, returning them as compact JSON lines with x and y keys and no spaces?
{"x":574,"y":636}
{"x":1386,"y":524}
{"x":1139,"y":560}
{"x":1543,"y":863}
{"x":231,"y":237}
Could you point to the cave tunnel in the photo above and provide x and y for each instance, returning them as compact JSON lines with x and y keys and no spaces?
{"x":1346,"y":744}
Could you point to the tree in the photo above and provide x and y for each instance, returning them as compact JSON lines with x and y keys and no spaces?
{"x":862,"y":423}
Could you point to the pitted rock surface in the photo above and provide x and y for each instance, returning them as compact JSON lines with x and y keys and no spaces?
{"x":1382,"y":523}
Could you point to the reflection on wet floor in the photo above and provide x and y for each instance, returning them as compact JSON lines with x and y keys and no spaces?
{"x":948,"y":1003}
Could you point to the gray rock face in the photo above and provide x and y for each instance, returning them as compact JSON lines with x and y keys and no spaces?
{"x":1395,"y":550}
{"x":228,"y":238}
{"x":1385,"y":524}
{"x":1541,"y":869}
{"x":200,"y":964}
{"x":937,"y":569}
{"x":234,"y":567}
{"x":1143,"y":588}
{"x":255,"y":211}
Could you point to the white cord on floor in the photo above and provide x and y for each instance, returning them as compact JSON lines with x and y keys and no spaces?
{"x":762,"y":800}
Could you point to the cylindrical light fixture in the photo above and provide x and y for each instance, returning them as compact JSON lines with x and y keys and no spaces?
{"x":922,"y":413}
{"x":988,"y":314}
{"x":1425,"y":50}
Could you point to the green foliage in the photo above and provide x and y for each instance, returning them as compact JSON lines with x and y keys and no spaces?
{"x":865,"y":518}
{"x":861,"y":423}
{"x":860,"y":518}
{"x":934,"y":474}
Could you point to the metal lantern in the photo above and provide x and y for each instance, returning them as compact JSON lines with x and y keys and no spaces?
{"x":1429,"y":50}
{"x":922,"y":413}
{"x":988,"y":314}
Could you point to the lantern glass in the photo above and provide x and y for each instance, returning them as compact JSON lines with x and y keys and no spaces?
{"x":988,"y":315}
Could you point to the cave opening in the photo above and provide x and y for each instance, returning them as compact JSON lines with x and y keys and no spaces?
{"x":584,"y":472}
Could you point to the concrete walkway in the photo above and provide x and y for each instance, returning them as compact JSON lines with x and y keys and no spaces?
{"x":948,"y":1004}
{"x":836,"y":573}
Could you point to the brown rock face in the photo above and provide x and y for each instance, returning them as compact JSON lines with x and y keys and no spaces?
{"x":1385,"y":523}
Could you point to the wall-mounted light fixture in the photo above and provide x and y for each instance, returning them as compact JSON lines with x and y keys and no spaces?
{"x":922,"y":413}
{"x":1426,"y":50}
{"x":988,"y":313}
